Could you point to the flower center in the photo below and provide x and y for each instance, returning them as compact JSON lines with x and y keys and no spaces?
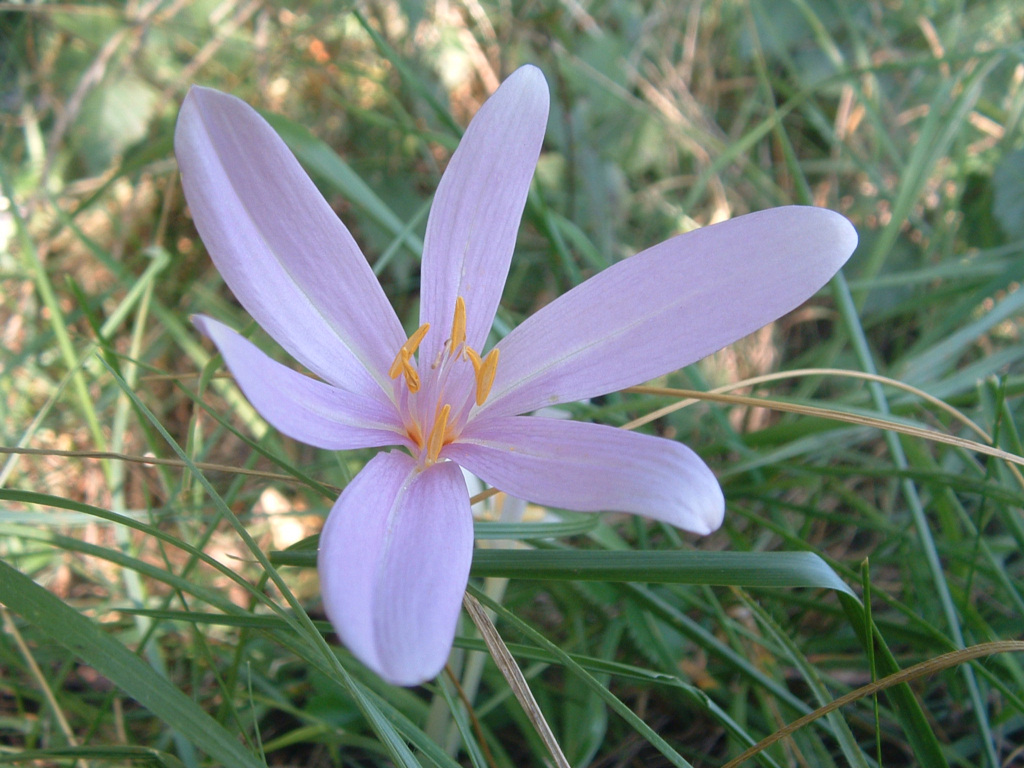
{"x":443,"y":406}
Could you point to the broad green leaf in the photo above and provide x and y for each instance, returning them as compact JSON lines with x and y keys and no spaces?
{"x":745,"y":569}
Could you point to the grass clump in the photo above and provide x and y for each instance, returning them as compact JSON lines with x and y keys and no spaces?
{"x":867,"y":444}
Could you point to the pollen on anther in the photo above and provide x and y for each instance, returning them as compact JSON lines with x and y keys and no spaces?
{"x":414,"y":341}
{"x":402,"y":366}
{"x":485,"y":379}
{"x":412,"y":378}
{"x":401,"y":362}
{"x":458,"y":325}
{"x":484,"y":370}
{"x":437,"y":433}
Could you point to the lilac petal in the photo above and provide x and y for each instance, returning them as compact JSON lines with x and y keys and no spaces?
{"x":303,"y":408}
{"x":591,"y":467}
{"x":669,"y":306}
{"x":394,"y":561}
{"x":279,"y":246}
{"x":472,"y":227}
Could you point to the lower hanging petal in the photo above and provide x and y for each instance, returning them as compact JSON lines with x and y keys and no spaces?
{"x":591,"y":467}
{"x":303,"y":408}
{"x":394,"y":561}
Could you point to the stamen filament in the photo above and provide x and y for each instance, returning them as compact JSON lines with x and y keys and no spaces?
{"x":437,"y":433}
{"x":414,"y":433}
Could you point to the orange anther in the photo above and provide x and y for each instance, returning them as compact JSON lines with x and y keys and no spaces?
{"x":401,"y":362}
{"x":412,"y":378}
{"x":437,"y":434}
{"x":459,"y":325}
{"x":414,"y":341}
{"x":485,"y":377}
{"x":484,"y":370}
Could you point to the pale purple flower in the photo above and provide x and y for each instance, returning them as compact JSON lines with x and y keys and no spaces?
{"x":396,"y":549}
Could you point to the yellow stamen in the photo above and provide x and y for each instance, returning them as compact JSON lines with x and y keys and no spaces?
{"x":412,"y":378}
{"x":414,"y":341}
{"x":485,"y":380}
{"x":459,"y":325}
{"x":401,"y":363}
{"x":397,"y":366}
{"x":485,"y":370}
{"x":437,"y":434}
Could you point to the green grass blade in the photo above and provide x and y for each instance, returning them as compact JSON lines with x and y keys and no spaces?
{"x":64,"y":625}
{"x":326,"y":165}
{"x":592,"y":683}
{"x":742,"y":569}
{"x":135,"y":755}
{"x":910,"y":493}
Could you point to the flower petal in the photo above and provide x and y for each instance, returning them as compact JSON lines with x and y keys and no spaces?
{"x":473,"y":221}
{"x":281,"y":249}
{"x":394,"y":561}
{"x":669,"y":306}
{"x":303,"y":408}
{"x":591,"y":467}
